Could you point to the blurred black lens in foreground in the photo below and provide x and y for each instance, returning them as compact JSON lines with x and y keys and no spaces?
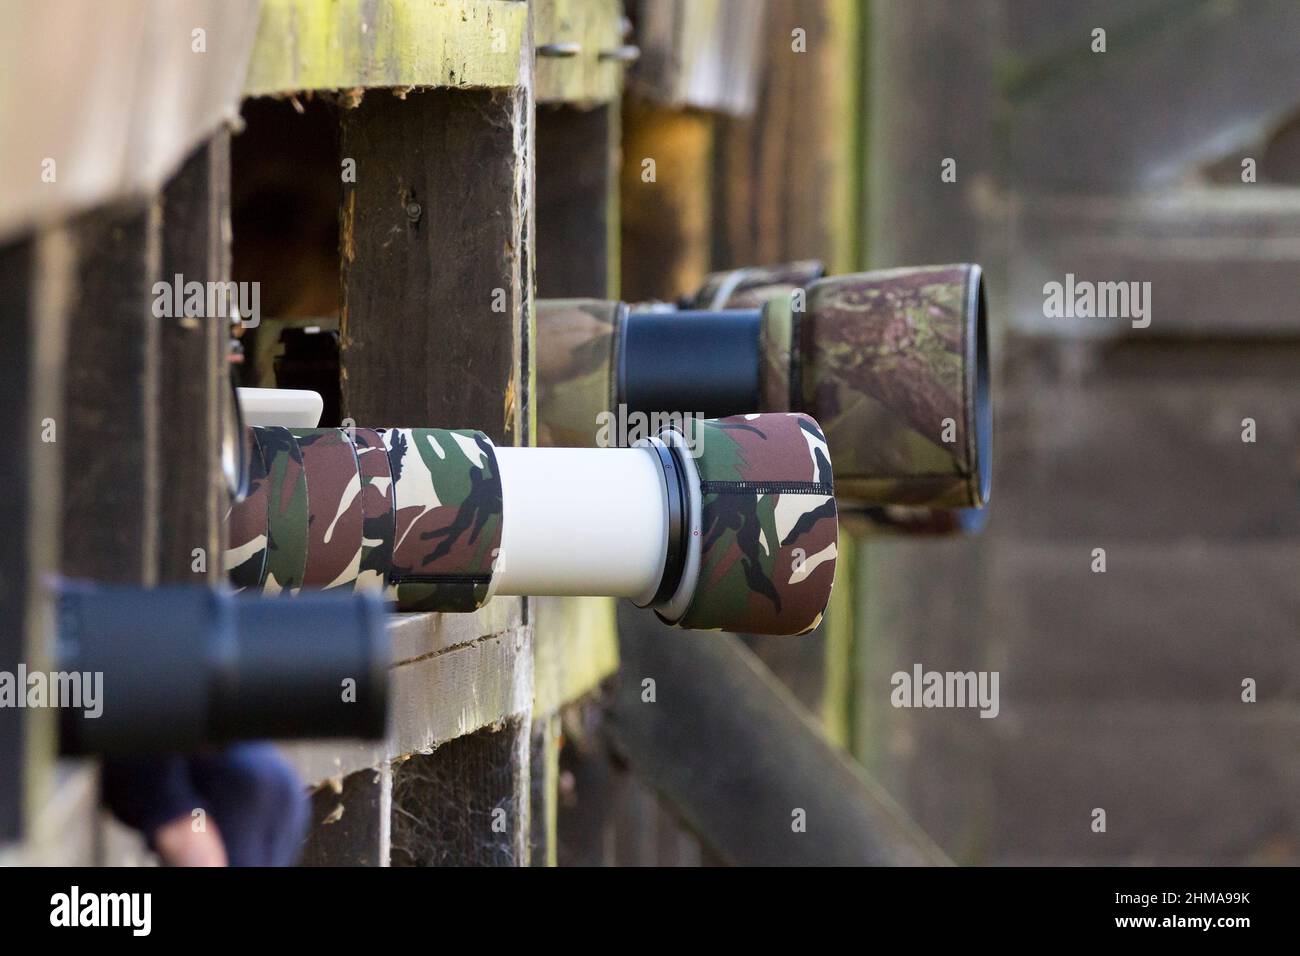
{"x":185,"y":667}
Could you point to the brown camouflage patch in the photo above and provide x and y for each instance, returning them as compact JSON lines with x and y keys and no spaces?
{"x":334,"y":508}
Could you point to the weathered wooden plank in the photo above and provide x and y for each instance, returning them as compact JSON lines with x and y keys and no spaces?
{"x":743,"y":763}
{"x":699,"y":53}
{"x":103,"y":101}
{"x":475,"y":686}
{"x":110,"y":487}
{"x":344,"y":44}
{"x":667,"y":203}
{"x":587,"y":34}
{"x":1194,"y":785}
{"x":193,"y":386}
{"x":575,"y":639}
{"x":436,"y":304}
{"x":577,"y":202}
{"x":350,"y":820}
{"x":914,"y":216}
{"x":187,"y":365}
{"x":1146,"y":83}
{"x":111,"y":478}
{"x":790,"y":179}
{"x":544,"y":770}
{"x":1155,"y":627}
{"x":417,"y":636}
{"x":789,"y":175}
{"x":34,"y":277}
{"x":1219,"y":262}
{"x":575,"y":649}
{"x":435,"y":697}
{"x":1136,"y":439}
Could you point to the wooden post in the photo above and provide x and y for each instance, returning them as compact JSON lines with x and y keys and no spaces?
{"x":436,"y":239}
{"x":744,"y":764}
{"x":34,"y":275}
{"x":544,"y":769}
{"x":110,"y":487}
{"x":667,"y":200}
{"x":788,"y":178}
{"x":577,"y":201}
{"x":575,"y":645}
{"x":351,"y":820}
{"x":193,"y":373}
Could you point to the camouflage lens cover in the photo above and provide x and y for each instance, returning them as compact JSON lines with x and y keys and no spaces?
{"x":754,"y":286}
{"x":447,"y":528}
{"x":286,"y":553}
{"x":415,"y":511}
{"x":576,"y":361}
{"x":768,"y":524}
{"x":333,"y":508}
{"x":248,"y":530}
{"x":894,"y":365}
{"x":378,"y":514}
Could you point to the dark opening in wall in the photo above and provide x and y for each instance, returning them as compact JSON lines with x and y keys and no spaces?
{"x":286,"y":182}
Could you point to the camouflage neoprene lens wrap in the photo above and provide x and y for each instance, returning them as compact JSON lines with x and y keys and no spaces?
{"x":248,"y":524}
{"x":937,"y":291}
{"x":415,"y":511}
{"x":753,"y":286}
{"x":577,"y":358}
{"x":287,"y":515}
{"x":418,"y":513}
{"x":447,"y":513}
{"x":768,"y":530}
{"x":894,"y":365}
{"x":333,"y":552}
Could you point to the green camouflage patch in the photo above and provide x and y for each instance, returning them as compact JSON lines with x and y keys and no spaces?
{"x":447,"y":529}
{"x":245,"y":555}
{"x":286,"y":556}
{"x":768,"y":529}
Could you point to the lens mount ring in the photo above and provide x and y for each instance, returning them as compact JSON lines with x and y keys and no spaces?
{"x":678,"y":500}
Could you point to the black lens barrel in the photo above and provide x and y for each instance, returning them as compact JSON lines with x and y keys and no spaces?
{"x":697,"y":363}
{"x":186,"y":667}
